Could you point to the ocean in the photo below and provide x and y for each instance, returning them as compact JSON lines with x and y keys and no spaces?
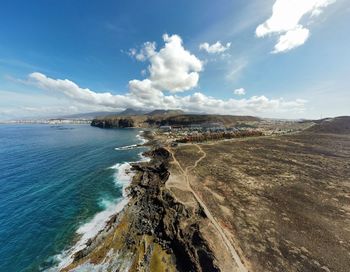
{"x":58,"y":186}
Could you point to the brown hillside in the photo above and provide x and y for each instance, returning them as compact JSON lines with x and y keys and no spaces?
{"x":337,"y":125}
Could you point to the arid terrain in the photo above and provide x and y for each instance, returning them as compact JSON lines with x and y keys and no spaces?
{"x":283,"y":202}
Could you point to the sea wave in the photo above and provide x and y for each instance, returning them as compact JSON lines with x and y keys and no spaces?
{"x":122,"y":178}
{"x":144,"y":158}
{"x":139,"y":136}
{"x":142,"y":139}
{"x":127,"y":147}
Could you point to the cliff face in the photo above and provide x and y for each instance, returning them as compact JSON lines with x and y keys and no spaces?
{"x":172,"y":118}
{"x":153,"y":233}
{"x":121,"y":122}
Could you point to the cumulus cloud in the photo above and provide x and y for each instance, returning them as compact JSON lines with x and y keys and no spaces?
{"x":171,"y":70}
{"x":142,"y":95}
{"x":292,"y":38}
{"x":215,"y":47}
{"x":285,"y":21}
{"x":84,"y":95}
{"x":240,"y":91}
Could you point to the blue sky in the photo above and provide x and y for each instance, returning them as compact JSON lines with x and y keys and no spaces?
{"x":266,"y":58}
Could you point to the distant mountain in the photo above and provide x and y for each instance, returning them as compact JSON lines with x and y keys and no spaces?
{"x":165,"y":112}
{"x":97,"y":114}
{"x":130,"y":111}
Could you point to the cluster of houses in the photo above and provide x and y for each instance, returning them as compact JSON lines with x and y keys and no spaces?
{"x":59,"y":121}
{"x":207,"y":131}
{"x":217,"y":129}
{"x":203,"y":127}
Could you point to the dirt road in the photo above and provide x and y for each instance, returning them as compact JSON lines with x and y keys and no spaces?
{"x":225,"y":240}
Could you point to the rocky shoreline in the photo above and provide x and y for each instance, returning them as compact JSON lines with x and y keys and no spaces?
{"x":154,"y":232}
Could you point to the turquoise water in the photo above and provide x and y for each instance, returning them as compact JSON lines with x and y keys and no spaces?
{"x":53,"y":182}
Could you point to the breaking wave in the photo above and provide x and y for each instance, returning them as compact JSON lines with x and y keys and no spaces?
{"x":122,"y":178}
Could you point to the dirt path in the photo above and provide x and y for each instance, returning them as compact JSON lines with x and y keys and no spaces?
{"x":226,"y":241}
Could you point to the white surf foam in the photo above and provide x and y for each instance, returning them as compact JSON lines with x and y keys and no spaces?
{"x":123,"y":175}
{"x":143,"y":141}
{"x":122,"y":178}
{"x":141,"y":138}
{"x":127,"y":147}
{"x":143,"y":158}
{"x":90,"y":229}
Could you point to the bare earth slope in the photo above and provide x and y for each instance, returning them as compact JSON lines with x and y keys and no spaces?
{"x":283,"y":202}
{"x":337,"y":125}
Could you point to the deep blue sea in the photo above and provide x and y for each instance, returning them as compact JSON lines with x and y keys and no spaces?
{"x":57,"y":184}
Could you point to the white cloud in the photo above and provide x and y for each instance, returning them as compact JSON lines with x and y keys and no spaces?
{"x":292,"y":38}
{"x":147,"y":50}
{"x":240,"y":91}
{"x":286,"y":21}
{"x":37,"y":104}
{"x":215,"y":47}
{"x":172,"y":69}
{"x":142,"y":95}
{"x":83,"y":95}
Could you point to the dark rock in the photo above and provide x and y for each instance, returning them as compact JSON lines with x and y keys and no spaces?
{"x":159,"y":214}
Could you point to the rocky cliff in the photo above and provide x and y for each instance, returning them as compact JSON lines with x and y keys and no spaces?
{"x":156,"y":119}
{"x":153,"y":233}
{"x":120,"y":122}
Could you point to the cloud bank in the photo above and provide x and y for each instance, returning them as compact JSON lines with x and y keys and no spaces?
{"x":172,"y":70}
{"x":285,"y":22}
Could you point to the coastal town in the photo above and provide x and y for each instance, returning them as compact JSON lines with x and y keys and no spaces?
{"x":217,"y":131}
{"x":44,"y":121}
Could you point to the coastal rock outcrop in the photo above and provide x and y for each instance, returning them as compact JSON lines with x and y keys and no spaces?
{"x":161,"y":118}
{"x":154,"y":232}
{"x":122,"y":122}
